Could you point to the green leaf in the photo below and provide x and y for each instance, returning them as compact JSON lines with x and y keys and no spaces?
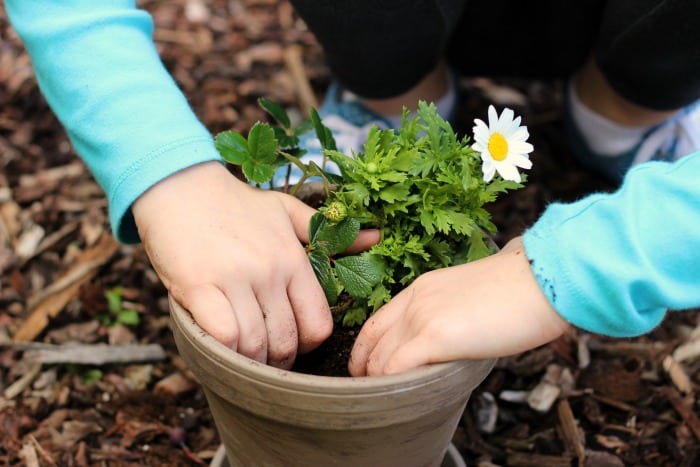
{"x":262,"y":144}
{"x":114,"y":299}
{"x":336,"y":237}
{"x":358,"y":274}
{"x":322,"y":267}
{"x":232,"y":146}
{"x":92,"y":376}
{"x":285,"y":141}
{"x":315,"y":224}
{"x":277,"y":112}
{"x":260,"y":164}
{"x":332,"y":237}
{"x":258,"y":173}
{"x":322,"y":131}
{"x":477,"y":248}
{"x":394,"y":193}
{"x":354,"y":316}
{"x":128,"y":317}
{"x":303,"y":128}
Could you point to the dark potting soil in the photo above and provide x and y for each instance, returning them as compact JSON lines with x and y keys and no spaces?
{"x":331,"y":357}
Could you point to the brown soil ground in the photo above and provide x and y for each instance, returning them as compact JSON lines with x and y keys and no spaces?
{"x":620,"y":402}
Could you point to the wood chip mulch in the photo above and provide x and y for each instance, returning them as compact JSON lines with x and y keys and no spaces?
{"x":78,"y":388}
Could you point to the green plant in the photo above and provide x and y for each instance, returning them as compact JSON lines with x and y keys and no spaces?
{"x":116,"y":312}
{"x":423,"y":186}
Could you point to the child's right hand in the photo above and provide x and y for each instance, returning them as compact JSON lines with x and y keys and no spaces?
{"x":233,"y":256}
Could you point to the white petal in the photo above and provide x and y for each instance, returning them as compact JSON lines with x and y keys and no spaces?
{"x":481,"y":132}
{"x":520,"y":161}
{"x":489,"y":172}
{"x":493,"y":117}
{"x":505,"y":122}
{"x":508,"y":172}
{"x":520,"y":134}
{"x":520,"y":147}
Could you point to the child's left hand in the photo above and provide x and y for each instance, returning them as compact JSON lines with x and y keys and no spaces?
{"x":484,"y":309}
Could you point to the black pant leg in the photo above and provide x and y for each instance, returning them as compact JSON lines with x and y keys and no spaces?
{"x":381,"y":48}
{"x":649,"y":50}
{"x":544,"y":39}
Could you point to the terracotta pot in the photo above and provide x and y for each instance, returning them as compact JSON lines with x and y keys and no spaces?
{"x":452,"y":458}
{"x":271,"y":417}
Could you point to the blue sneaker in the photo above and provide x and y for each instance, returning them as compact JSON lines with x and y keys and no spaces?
{"x":667,"y":141}
{"x":349,"y":121}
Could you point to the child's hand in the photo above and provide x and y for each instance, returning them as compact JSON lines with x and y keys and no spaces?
{"x":485,"y":309}
{"x":232,"y":255}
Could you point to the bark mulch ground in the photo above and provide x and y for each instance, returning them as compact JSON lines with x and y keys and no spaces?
{"x":88,"y":369}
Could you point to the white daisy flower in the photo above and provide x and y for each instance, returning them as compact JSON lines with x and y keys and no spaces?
{"x":502,"y":145}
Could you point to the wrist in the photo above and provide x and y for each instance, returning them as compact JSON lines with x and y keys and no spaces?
{"x":550,"y":323}
{"x":167,"y":197}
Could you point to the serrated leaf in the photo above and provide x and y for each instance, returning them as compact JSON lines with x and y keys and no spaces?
{"x":354,"y":317}
{"x":358,"y":274}
{"x":277,"y":112}
{"x":315,"y":223}
{"x":261,"y":160}
{"x":257,"y":173}
{"x":322,"y":268}
{"x":394,"y":193}
{"x":336,"y":237}
{"x":232,"y":146}
{"x":262,"y":144}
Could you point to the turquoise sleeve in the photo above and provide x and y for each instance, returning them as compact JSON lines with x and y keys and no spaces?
{"x":98,"y":68}
{"x":615,"y":263}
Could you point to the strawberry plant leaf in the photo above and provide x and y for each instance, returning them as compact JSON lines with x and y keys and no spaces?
{"x":276,"y":110}
{"x":232,"y":146}
{"x":322,"y":132}
{"x":315,"y":224}
{"x":324,"y":273}
{"x":262,"y":144}
{"x":303,"y":128}
{"x":285,"y":140}
{"x":256,"y":172}
{"x":359,"y":274}
{"x":259,"y":166}
{"x":336,"y":237}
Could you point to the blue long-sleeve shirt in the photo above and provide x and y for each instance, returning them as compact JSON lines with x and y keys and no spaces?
{"x":98,"y":68}
{"x":609,"y":263}
{"x":614,"y":263}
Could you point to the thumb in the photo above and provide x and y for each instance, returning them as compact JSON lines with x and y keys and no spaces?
{"x":299,"y":214}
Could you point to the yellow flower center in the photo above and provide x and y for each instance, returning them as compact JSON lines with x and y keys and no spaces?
{"x":498,"y":146}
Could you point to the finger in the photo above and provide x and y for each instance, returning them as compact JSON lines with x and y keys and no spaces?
{"x":409,"y":355}
{"x":300,"y":215}
{"x":382,"y":352}
{"x":373,"y":330}
{"x":365,"y":239}
{"x":212,"y":311}
{"x":252,"y":339}
{"x":313,"y":316}
{"x":282,"y":335}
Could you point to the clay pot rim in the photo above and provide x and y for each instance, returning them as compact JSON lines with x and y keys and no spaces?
{"x":251,"y":369}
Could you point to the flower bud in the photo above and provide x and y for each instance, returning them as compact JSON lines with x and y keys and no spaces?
{"x":336,"y":211}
